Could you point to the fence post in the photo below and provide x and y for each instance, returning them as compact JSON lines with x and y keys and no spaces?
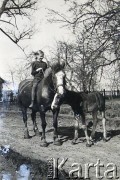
{"x":104,"y":92}
{"x":118,"y":93}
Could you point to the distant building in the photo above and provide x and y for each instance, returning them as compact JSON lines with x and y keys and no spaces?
{"x":1,"y":86}
{"x":9,"y":91}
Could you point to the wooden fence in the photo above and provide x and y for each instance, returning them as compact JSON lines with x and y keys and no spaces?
{"x":111,"y":94}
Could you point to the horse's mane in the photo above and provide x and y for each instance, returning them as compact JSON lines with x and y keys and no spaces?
{"x":84,"y":95}
{"x":47,"y":76}
{"x":48,"y":72}
{"x":73,"y":94}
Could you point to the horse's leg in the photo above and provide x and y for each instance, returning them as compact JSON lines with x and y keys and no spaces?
{"x":43,"y":124}
{"x":94,"y":115}
{"x":55,"y":126}
{"x":26,"y":132}
{"x":35,"y":127}
{"x":76,"y":126}
{"x":84,"y":127}
{"x":104,"y":126}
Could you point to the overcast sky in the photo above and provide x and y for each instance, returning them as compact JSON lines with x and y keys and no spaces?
{"x":44,"y":39}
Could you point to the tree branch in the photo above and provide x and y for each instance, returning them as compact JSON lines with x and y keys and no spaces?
{"x":3,"y":7}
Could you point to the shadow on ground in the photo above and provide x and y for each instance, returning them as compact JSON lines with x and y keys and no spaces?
{"x":67,"y":133}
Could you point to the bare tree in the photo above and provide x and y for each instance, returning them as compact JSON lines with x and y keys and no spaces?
{"x":14,"y":19}
{"x":94,"y":16}
{"x":63,"y":51}
{"x":81,"y":65}
{"x":18,"y":73}
{"x":96,"y":24}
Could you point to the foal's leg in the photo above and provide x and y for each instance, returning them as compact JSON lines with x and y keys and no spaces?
{"x":84,"y":127}
{"x":26,"y":132}
{"x":94,"y":115}
{"x":43,"y":124}
{"x":104,"y":126}
{"x":55,"y":126}
{"x":76,"y":126}
{"x":35,"y":127}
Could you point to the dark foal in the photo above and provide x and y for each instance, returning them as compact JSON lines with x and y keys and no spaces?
{"x":82,"y":103}
{"x":75,"y":101}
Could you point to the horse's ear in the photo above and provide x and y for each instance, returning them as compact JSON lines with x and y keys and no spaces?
{"x":57,"y":66}
{"x":33,"y":52}
{"x":62,"y":64}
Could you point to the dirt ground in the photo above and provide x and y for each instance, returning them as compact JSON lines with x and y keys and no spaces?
{"x":29,"y":151}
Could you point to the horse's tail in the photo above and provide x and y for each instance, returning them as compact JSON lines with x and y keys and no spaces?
{"x":100,"y":99}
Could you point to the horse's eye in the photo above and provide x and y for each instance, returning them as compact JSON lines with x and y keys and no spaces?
{"x":36,"y":54}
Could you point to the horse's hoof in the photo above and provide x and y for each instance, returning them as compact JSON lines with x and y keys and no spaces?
{"x":58,"y":143}
{"x":92,"y":139}
{"x":92,"y":143}
{"x":73,"y":142}
{"x":88,"y":145}
{"x":44,"y":144}
{"x":37,"y":133}
{"x":106,"y":139}
{"x":27,"y":136}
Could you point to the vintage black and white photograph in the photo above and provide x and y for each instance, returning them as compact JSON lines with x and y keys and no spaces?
{"x":59,"y":89}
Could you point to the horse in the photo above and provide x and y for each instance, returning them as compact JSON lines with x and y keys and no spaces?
{"x":82,"y":103}
{"x":48,"y":87}
{"x":92,"y":103}
{"x":74,"y":99}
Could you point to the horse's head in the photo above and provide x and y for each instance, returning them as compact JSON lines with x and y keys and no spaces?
{"x":59,"y":83}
